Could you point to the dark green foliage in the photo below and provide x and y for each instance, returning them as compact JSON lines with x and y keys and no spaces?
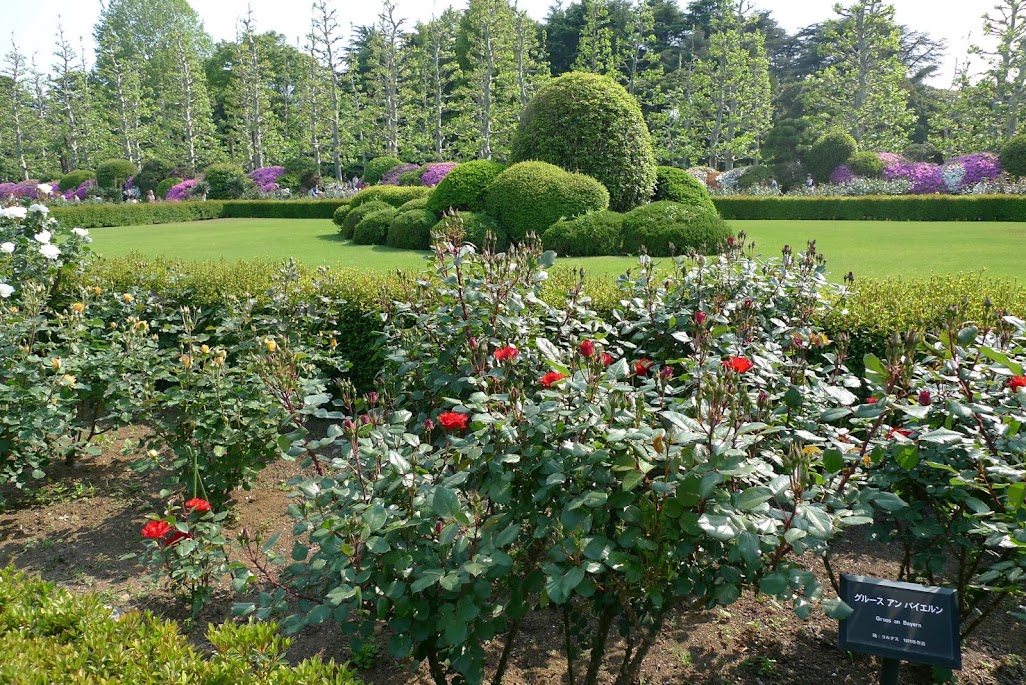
{"x":595,"y":233}
{"x":114,"y":172}
{"x":282,"y":209}
{"x":890,"y":208}
{"x":73,"y":179}
{"x":1013,"y":155}
{"x":412,"y":178}
{"x":531,"y":196}
{"x":923,"y":152}
{"x":166,"y":185}
{"x":678,"y":185}
{"x":152,"y":173}
{"x":789,"y":174}
{"x":358,"y":212}
{"x":224,"y":180}
{"x":866,"y":164}
{"x":477,"y":228}
{"x":754,"y":176}
{"x":667,"y":228}
{"x":590,"y":124}
{"x":411,"y":230}
{"x":303,"y":173}
{"x":416,"y":203}
{"x":87,"y":215}
{"x":373,"y":227}
{"x":378,"y":167}
{"x":339,"y":217}
{"x":829,"y":152}
{"x":464,"y":186}
{"x":396,"y":196}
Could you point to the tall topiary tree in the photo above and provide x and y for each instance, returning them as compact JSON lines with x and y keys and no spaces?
{"x":114,"y":172}
{"x":829,"y":152}
{"x":589,"y":123}
{"x":1013,"y":155}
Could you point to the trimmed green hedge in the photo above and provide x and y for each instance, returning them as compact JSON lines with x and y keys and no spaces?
{"x":282,"y":209}
{"x":396,"y":196}
{"x":875,"y":208}
{"x":594,"y":234}
{"x":96,"y":215}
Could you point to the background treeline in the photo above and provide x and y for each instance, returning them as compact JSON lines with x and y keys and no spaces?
{"x":719,"y":84}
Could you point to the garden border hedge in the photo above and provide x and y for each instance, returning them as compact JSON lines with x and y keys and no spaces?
{"x":875,"y":208}
{"x":101,"y":215}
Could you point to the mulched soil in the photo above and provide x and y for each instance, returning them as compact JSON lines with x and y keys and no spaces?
{"x":75,"y":529}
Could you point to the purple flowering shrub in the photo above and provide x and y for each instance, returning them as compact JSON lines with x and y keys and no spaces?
{"x":391,"y":178}
{"x":890,"y":158}
{"x":20,"y":190}
{"x":436,"y":172}
{"x":842,"y":174}
{"x":182,"y":191}
{"x":926,"y":178}
{"x":981,"y":166}
{"x":266,"y":178}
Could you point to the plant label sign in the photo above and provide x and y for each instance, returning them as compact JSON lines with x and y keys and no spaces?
{"x":901,"y":621}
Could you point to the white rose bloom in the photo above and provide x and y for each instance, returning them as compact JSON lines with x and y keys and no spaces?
{"x":6,"y":290}
{"x":7,"y":248}
{"x":45,"y":188}
{"x":80,"y":232}
{"x":43,"y":237}
{"x":42,"y":209}
{"x":16,"y":212}
{"x":50,"y":251}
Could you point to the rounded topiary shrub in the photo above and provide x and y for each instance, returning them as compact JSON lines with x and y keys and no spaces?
{"x":923,"y":152}
{"x":411,"y":230}
{"x":591,"y":124}
{"x":754,"y":176}
{"x":477,"y":228}
{"x":396,"y":196}
{"x":373,"y":228}
{"x":114,"y":172}
{"x":224,"y":180}
{"x":415,"y":203}
{"x":152,"y":172}
{"x":166,"y":185}
{"x":681,"y":186}
{"x":464,"y":186}
{"x":830,"y":151}
{"x":866,"y":164}
{"x":338,"y":217}
{"x":667,"y":228}
{"x":357,"y":214}
{"x":595,"y":233}
{"x":73,"y":179}
{"x":531,"y":196}
{"x":1013,"y":155}
{"x":378,"y":167}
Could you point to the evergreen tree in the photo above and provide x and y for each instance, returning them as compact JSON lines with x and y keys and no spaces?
{"x":595,"y":44}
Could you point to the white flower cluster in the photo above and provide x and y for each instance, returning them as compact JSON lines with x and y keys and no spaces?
{"x":953,"y":175}
{"x":15,"y":212}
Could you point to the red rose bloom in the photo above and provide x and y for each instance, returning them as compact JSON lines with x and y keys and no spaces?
{"x":176,"y":538}
{"x":607,"y":359}
{"x":900,"y":431}
{"x":586,"y":348}
{"x":925,"y":399}
{"x":738,"y":364}
{"x":642,"y":366}
{"x":872,"y":400}
{"x":155,"y":530}
{"x":452,"y":420}
{"x":200,"y":506}
{"x":1017,"y":382}
{"x":551,"y":377}
{"x":700,"y":317}
{"x":506,"y":353}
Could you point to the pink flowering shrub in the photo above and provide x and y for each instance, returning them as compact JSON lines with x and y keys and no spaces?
{"x":266,"y":178}
{"x":182,"y":191}
{"x":926,"y":178}
{"x":842,"y":174}
{"x":436,"y":172}
{"x":83,"y":190}
{"x":890,"y":158}
{"x":981,"y":166}
{"x":392,"y":177}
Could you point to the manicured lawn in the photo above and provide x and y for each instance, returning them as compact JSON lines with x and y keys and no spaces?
{"x":869,"y":248}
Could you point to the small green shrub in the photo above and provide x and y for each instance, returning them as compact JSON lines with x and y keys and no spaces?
{"x":225,"y":180}
{"x":531,"y":196}
{"x":411,"y":230}
{"x":790,"y":174}
{"x":923,"y":152}
{"x":590,"y":124}
{"x":378,"y":167}
{"x":477,"y":228}
{"x":73,"y":179}
{"x":464,"y":186}
{"x":1013,"y":155}
{"x":754,"y":176}
{"x":595,"y":233}
{"x":830,"y":151}
{"x":678,"y":185}
{"x":114,"y":172}
{"x":412,"y":178}
{"x":396,"y":196}
{"x":373,"y":227}
{"x":339,"y":217}
{"x":166,"y":185}
{"x":357,"y":213}
{"x":152,"y":173}
{"x":665,"y":228}
{"x":866,"y":164}
{"x":415,"y":203}
{"x":303,"y":172}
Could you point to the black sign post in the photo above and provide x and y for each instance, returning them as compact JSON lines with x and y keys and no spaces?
{"x":900,"y":622}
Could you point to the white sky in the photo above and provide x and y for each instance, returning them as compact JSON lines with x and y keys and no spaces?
{"x":34,"y":23}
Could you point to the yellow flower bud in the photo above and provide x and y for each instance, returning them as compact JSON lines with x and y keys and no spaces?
{"x":152,"y":454}
{"x":270,"y":344}
{"x":14,"y":310}
{"x":55,"y":363}
{"x":866,"y":461}
{"x":97,"y":290}
{"x":77,"y":307}
{"x":68,"y":380}
{"x":128,"y":297}
{"x":205,"y":349}
{"x":187,"y":361}
{"x":334,"y":343}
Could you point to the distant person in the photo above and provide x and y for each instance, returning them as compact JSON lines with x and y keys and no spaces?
{"x":774,"y":186}
{"x":150,"y":197}
{"x":313,"y":192}
{"x":809,"y":182}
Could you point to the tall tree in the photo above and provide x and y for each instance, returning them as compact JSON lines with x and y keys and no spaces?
{"x":326,"y":44}
{"x":595,"y":46}
{"x":1006,"y":24}
{"x":16,"y":79}
{"x":68,"y":86}
{"x":387,"y":75}
{"x":435,"y":75}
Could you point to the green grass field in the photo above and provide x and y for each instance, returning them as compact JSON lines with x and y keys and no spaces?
{"x":868,"y":248}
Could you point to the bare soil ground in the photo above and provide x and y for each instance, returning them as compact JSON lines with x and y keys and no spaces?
{"x":75,"y":529}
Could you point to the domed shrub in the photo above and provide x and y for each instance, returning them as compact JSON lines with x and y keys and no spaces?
{"x":114,"y":172}
{"x":661,"y":224}
{"x":754,"y":176}
{"x":829,"y":152}
{"x":411,"y":230}
{"x":415,"y":203}
{"x":866,"y":164}
{"x":152,"y":172}
{"x":464,"y":186}
{"x":396,"y":196}
{"x":923,"y":152}
{"x":411,"y":178}
{"x":357,"y":214}
{"x":595,"y":233}
{"x":477,"y":226}
{"x":301,"y":172}
{"x":1013,"y":155}
{"x":590,"y":124}
{"x":225,"y":180}
{"x":373,"y":228}
{"x":73,"y":179}
{"x":681,"y":186}
{"x":339,"y":216}
{"x":166,"y":185}
{"x":531,"y":196}
{"x":378,"y":167}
